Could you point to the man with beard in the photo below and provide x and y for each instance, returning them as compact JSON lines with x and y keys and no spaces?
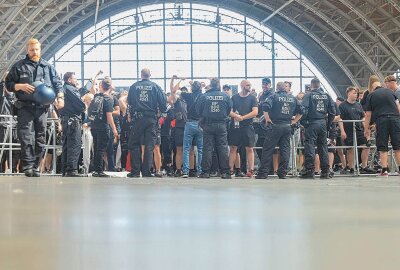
{"x":32,"y":116}
{"x":241,"y":131}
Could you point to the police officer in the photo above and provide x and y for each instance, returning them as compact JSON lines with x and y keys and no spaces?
{"x":71,"y":120}
{"x":32,"y":116}
{"x":319,"y":112}
{"x":145,"y":99}
{"x":279,"y":110}
{"x":214,"y":108}
{"x":266,"y":92}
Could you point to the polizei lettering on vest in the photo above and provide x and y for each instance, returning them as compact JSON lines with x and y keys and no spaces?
{"x":215,"y":97}
{"x":144,"y":88}
{"x":320,"y":97}
{"x":286,"y":99}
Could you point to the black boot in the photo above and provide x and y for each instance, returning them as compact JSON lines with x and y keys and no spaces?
{"x":32,"y":173}
{"x":73,"y":174}
{"x":307,"y":174}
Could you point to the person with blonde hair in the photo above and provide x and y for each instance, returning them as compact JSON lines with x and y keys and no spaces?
{"x":372,"y":83}
{"x":32,"y":113}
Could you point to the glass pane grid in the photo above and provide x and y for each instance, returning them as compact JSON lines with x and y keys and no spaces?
{"x":217,"y":48}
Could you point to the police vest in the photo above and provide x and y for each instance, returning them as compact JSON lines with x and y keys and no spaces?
{"x":282,"y":106}
{"x":29,"y":73}
{"x":317,"y":105}
{"x":216,"y":105}
{"x":73,"y":105}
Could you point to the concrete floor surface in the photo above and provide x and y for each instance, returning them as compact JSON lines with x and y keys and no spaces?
{"x":118,"y":223}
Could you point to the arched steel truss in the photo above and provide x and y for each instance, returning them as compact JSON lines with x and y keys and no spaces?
{"x":347,"y":39}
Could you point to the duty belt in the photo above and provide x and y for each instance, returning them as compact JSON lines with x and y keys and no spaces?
{"x":214,"y":121}
{"x":71,"y":119}
{"x":139,"y":115}
{"x":20,"y":104}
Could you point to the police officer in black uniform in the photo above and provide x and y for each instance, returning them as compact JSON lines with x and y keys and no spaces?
{"x":71,"y":120}
{"x":214,"y":108}
{"x":32,"y":116}
{"x":145,"y":99}
{"x":267,"y":92}
{"x":279,"y":110}
{"x":319,"y":112}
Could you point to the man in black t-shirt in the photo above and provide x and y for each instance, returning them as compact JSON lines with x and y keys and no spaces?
{"x":352,"y":110}
{"x":241,"y":131}
{"x":382,"y":106}
{"x":100,"y":129}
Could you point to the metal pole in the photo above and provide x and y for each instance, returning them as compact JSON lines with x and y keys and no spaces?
{"x":10,"y":162}
{"x":294,"y":154}
{"x":54,"y":170}
{"x":4,"y":143}
{"x":357,"y":169}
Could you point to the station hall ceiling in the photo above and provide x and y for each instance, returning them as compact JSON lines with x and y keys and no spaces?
{"x":348,"y":40}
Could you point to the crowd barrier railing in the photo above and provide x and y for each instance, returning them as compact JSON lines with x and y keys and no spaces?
{"x":9,"y":122}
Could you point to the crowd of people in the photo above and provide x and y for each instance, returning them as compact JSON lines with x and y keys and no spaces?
{"x":204,"y":130}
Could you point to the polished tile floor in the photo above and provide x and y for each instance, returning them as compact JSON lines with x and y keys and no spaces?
{"x":58,"y":223}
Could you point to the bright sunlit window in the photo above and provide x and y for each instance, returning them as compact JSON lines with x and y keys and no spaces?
{"x":188,"y":40}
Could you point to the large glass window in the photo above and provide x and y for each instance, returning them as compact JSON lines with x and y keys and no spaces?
{"x":188,"y":40}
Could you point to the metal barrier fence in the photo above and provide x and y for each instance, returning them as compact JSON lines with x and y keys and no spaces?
{"x":8,"y":145}
{"x":295,"y":147}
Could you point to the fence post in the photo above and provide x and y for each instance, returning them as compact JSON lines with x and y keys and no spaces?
{"x":54,"y":169}
{"x":10,"y":154}
{"x":357,"y":165}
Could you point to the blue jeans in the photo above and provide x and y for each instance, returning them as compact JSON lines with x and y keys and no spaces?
{"x":192,"y":131}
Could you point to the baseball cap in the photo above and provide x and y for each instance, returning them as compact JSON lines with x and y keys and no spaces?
{"x":266,"y":80}
{"x":226,"y":87}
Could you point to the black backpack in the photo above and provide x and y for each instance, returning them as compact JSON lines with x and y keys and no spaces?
{"x":95,"y":110}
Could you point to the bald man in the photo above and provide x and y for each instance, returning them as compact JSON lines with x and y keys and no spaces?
{"x":241,"y":131}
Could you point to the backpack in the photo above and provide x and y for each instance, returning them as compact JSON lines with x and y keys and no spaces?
{"x":95,"y":110}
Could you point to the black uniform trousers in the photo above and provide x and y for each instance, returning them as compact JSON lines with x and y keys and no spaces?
{"x":215,"y":135}
{"x":124,"y":147}
{"x":144,"y":127}
{"x":316,"y":136}
{"x":166,"y":151}
{"x":260,"y":139}
{"x":100,"y":143}
{"x":72,"y":143}
{"x":278,"y":134}
{"x":31,"y":131}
